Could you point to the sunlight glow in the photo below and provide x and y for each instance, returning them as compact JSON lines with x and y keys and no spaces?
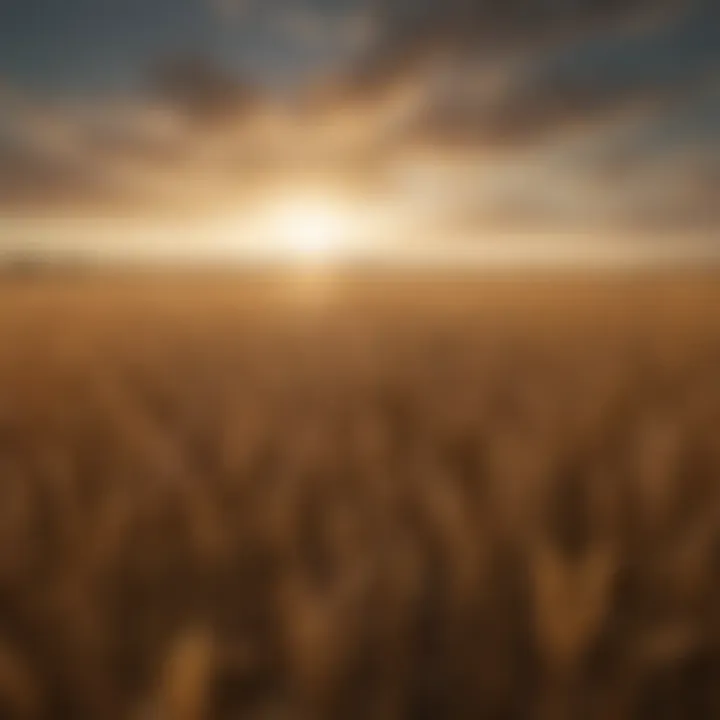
{"x":303,"y":226}
{"x":311,"y":228}
{"x":308,"y":227}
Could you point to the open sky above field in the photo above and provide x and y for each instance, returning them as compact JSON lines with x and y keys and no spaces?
{"x":416,"y":130}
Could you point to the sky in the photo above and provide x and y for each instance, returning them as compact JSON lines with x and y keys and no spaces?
{"x":415,"y":128}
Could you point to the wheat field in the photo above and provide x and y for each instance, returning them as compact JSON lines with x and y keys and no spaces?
{"x":298,"y":499}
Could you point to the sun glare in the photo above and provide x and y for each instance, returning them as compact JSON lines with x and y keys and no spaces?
{"x":310,"y":228}
{"x":305,"y":227}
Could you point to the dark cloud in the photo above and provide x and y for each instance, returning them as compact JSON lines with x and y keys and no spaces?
{"x":415,"y":30}
{"x":518,"y":39}
{"x":538,"y":110}
{"x":203,"y":90}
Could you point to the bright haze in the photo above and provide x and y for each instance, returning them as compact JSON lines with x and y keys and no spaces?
{"x":407,"y":131}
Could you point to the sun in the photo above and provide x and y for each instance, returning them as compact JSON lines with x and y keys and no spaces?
{"x":311,"y":228}
{"x":304,"y":227}
{"x":309,"y":225}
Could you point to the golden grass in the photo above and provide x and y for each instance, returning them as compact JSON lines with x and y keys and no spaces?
{"x":375,"y":499}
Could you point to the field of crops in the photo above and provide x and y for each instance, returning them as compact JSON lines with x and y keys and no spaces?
{"x":299,"y":499}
